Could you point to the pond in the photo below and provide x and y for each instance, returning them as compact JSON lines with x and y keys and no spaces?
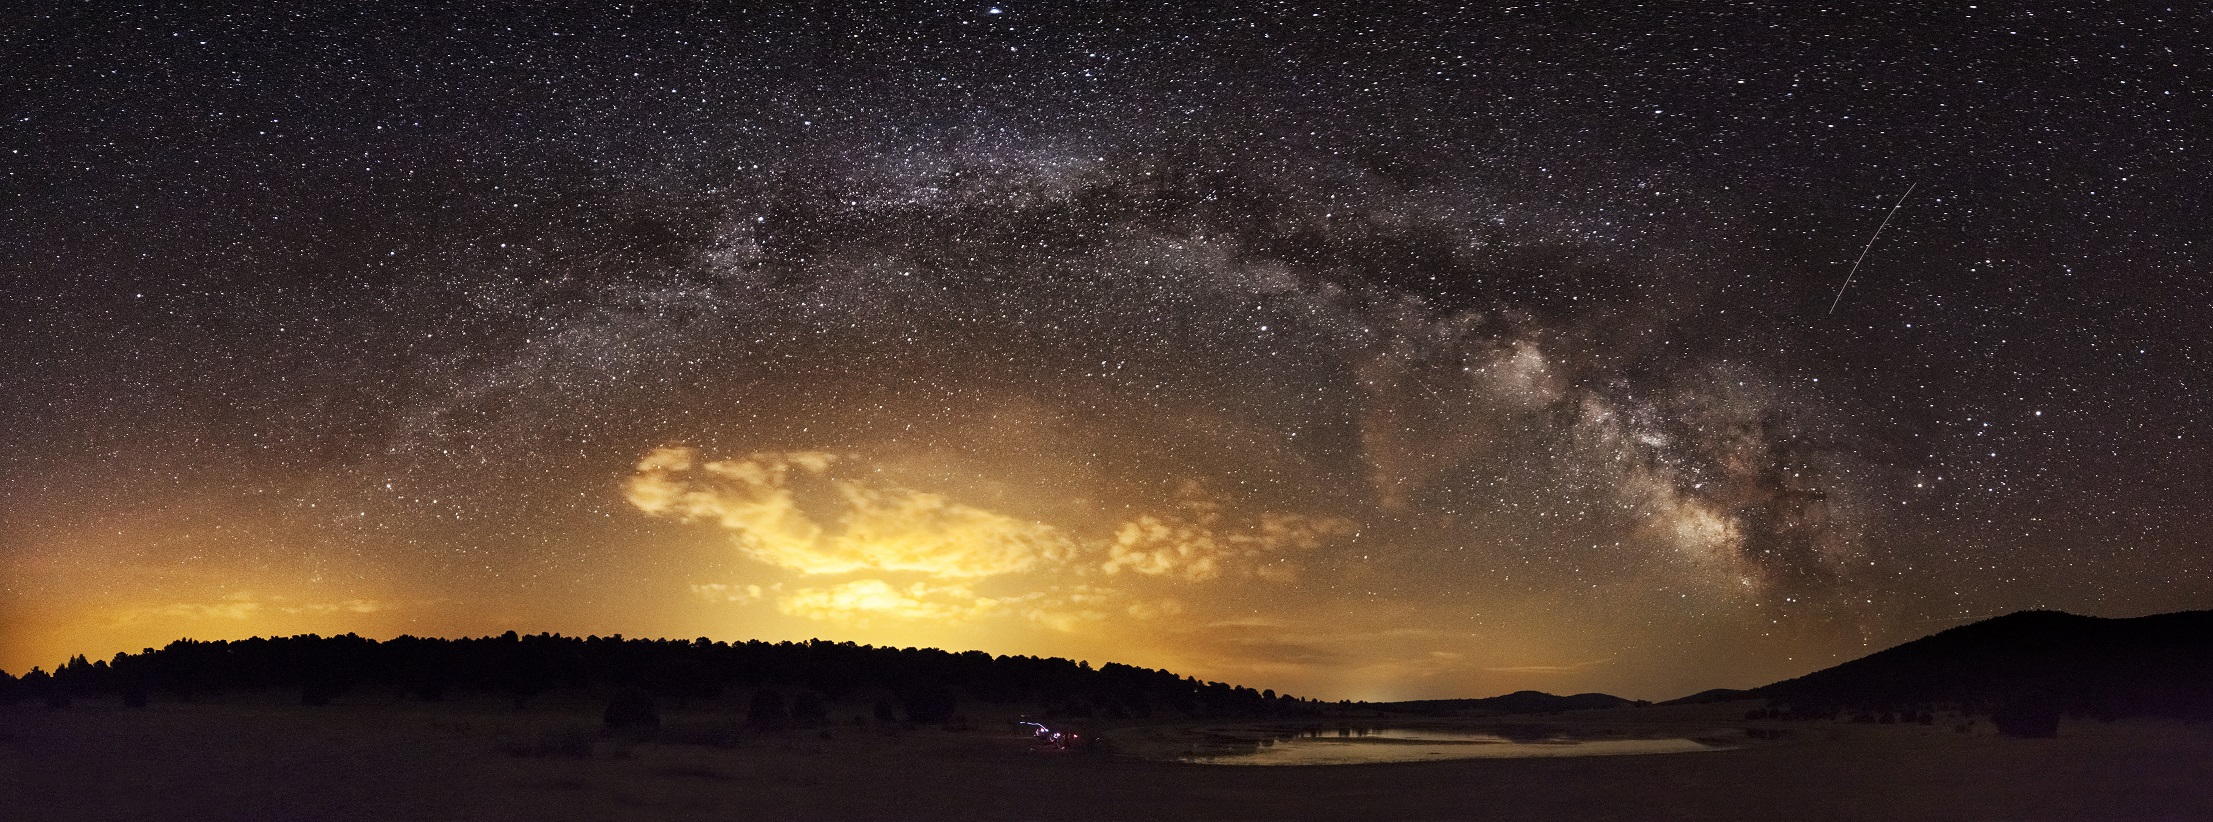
{"x":1346,"y":746}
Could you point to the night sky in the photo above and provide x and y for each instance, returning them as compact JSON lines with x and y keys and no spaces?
{"x":1354,"y":356}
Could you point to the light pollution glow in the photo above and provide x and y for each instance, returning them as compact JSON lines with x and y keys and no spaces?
{"x":922,"y":556}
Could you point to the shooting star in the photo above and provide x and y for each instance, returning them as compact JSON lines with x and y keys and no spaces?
{"x":1870,"y":244}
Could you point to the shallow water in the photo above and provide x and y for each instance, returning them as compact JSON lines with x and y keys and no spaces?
{"x":1333,"y":747}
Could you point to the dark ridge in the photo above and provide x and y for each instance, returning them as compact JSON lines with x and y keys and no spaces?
{"x":2029,"y":664}
{"x":1712,"y":696}
{"x":521,"y":668}
{"x":1518,"y":702}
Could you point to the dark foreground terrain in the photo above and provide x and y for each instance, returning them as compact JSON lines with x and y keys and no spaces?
{"x":246,"y":760}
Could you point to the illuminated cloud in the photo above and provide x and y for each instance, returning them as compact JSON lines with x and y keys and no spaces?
{"x":860,"y":600}
{"x":912,"y":556}
{"x":790,"y":511}
{"x":1570,"y":668}
{"x":242,"y":606}
{"x":720,"y":592}
{"x":1155,"y":609}
{"x":1201,"y":544}
{"x":232,"y":606}
{"x":1072,"y":609}
{"x":351,"y":606}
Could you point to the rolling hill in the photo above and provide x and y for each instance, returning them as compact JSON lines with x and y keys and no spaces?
{"x":2041,"y":662}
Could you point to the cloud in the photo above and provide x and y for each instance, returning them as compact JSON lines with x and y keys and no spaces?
{"x":1155,"y":609}
{"x":242,"y":606}
{"x":1570,"y":668}
{"x":877,"y":552}
{"x":789,"y":510}
{"x":1071,"y":609}
{"x":1201,"y":543}
{"x":350,"y":606}
{"x":862,"y":599}
{"x":233,"y":606}
{"x":720,"y":592}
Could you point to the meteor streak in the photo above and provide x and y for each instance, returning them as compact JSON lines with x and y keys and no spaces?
{"x":1870,"y":244}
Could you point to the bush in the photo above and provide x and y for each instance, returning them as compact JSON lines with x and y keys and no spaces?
{"x":807,"y":709}
{"x":709,"y":734}
{"x":632,"y":709}
{"x":2027,"y":720}
{"x":767,"y":709}
{"x":575,"y":744}
{"x":930,"y":704}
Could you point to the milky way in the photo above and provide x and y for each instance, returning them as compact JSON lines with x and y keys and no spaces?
{"x":1351,"y":355}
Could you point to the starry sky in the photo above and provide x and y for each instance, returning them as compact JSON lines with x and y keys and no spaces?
{"x":1368,"y":355}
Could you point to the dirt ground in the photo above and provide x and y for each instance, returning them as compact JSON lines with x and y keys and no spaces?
{"x":248,"y":761}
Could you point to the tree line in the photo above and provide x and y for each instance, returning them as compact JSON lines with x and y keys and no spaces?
{"x":926,"y":682}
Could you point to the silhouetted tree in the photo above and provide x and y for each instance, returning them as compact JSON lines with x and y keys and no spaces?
{"x":39,"y":685}
{"x":926,"y":681}
{"x":524,"y":670}
{"x":8,"y":688}
{"x":886,"y":712}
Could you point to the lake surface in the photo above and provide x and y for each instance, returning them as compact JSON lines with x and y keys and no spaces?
{"x":1348,"y":746}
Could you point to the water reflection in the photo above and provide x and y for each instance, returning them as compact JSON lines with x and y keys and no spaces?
{"x":1345,"y":745}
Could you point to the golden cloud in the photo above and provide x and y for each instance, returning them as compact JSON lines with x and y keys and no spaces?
{"x":907,"y":555}
{"x":721,"y":592}
{"x":241,"y":606}
{"x":862,"y":599}
{"x":1201,"y":543}
{"x":1154,"y":609}
{"x":759,"y":499}
{"x":1569,"y":668}
{"x":1068,"y":610}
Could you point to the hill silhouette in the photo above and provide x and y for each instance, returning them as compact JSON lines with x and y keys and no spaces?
{"x":1518,"y":702}
{"x":1712,"y":695}
{"x":927,"y":682}
{"x":2030,"y":667}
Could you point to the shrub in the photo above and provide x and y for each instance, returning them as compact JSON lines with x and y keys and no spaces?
{"x":575,"y":744}
{"x":767,"y":709}
{"x":930,"y":704}
{"x":632,"y":709}
{"x":807,"y":709}
{"x":2027,"y":720}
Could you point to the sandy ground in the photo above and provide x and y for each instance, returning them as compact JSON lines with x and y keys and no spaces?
{"x":405,"y":762}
